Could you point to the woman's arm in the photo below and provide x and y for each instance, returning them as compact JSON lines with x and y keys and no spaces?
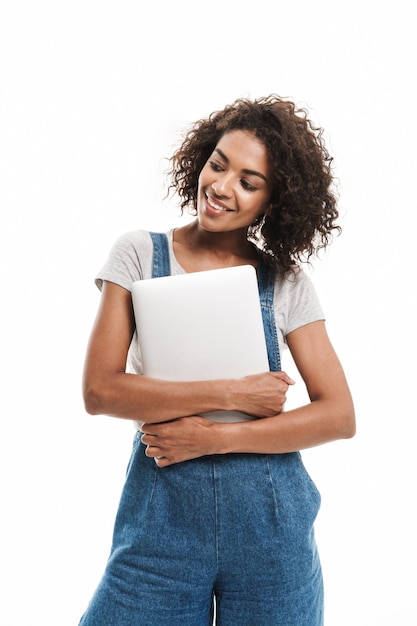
{"x":109,"y":390}
{"x":329,"y":415}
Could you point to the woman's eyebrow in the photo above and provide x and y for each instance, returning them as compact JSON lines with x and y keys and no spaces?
{"x":246,"y":171}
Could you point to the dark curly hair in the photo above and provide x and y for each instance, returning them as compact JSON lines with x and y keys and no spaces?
{"x":303,"y":212}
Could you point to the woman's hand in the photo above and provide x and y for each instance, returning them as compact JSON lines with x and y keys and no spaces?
{"x":179,"y":440}
{"x":262,"y":395}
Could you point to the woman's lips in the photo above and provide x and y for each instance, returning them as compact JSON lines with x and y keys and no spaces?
{"x":215,"y":208}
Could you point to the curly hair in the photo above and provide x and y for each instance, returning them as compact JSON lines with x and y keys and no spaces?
{"x":302,"y":215}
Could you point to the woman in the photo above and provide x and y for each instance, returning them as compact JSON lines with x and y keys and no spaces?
{"x":218,"y":517}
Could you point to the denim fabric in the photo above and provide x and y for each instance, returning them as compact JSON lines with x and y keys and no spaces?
{"x":235,"y":527}
{"x":266,"y":297}
{"x":160,"y":263}
{"x":224,"y":537}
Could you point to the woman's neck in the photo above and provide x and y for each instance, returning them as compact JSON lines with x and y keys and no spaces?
{"x":197,"y":249}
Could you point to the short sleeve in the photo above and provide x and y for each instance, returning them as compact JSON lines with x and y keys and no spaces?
{"x":130,"y":259}
{"x":296,"y":302}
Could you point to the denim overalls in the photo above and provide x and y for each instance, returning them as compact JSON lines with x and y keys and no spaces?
{"x":225,"y":535}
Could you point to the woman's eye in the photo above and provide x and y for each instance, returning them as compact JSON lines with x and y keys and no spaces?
{"x":215,"y":166}
{"x":247,"y":185}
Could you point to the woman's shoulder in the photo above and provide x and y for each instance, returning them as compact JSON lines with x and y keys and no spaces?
{"x":294,"y":279}
{"x":139,"y":238}
{"x":135,"y":242}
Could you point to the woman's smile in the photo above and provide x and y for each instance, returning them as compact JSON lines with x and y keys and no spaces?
{"x":212,"y":204}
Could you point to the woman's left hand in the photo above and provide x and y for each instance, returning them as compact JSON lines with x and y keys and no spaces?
{"x":179,"y":440}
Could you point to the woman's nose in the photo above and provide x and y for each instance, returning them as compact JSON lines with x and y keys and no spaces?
{"x":222,"y":186}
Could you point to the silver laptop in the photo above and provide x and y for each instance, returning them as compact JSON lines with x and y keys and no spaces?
{"x":201,"y":326}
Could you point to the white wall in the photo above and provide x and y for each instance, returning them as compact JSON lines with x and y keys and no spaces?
{"x":94,"y":95}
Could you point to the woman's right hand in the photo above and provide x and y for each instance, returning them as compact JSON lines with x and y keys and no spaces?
{"x":261,"y":395}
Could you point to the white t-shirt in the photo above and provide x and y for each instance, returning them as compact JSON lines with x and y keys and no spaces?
{"x":130,"y":259}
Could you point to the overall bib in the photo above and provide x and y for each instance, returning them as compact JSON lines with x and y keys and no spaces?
{"x":224,"y":537}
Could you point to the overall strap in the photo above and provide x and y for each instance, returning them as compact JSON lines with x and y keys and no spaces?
{"x":266,"y":282}
{"x":161,"y":265}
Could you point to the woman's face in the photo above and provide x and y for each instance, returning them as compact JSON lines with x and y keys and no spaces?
{"x":234,"y":186}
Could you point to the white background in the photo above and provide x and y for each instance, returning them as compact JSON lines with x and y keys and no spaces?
{"x":93,"y":96}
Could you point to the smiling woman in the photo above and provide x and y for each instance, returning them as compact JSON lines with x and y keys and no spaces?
{"x":221,"y":514}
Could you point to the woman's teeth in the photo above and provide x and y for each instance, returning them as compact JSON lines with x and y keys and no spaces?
{"x":216,"y":206}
